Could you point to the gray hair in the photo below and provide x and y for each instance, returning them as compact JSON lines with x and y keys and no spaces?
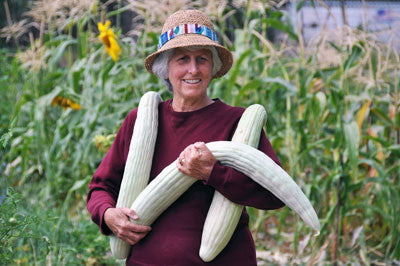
{"x":160,"y":64}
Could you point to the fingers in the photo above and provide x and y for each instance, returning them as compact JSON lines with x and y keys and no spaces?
{"x":181,"y":159}
{"x":191,"y":154}
{"x":134,"y":238}
{"x":132,"y":233}
{"x":131,"y":237}
{"x":200,"y":147}
{"x":137,"y":228}
{"x":187,"y":158}
{"x":118,"y":220}
{"x":193,"y":151}
{"x":130,"y":213}
{"x":196,"y":160}
{"x":132,"y":226}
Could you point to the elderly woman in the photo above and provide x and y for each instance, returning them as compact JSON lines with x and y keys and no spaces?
{"x":188,"y":57}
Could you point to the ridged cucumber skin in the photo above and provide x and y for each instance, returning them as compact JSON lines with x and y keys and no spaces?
{"x":171,"y":183}
{"x":223,"y":215}
{"x":138,"y":164}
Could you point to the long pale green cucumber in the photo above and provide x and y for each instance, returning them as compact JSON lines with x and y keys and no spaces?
{"x":138,"y":164}
{"x":171,"y":183}
{"x":223,"y":215}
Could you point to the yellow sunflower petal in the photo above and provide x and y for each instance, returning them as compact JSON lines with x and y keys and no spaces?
{"x":114,"y":50}
{"x":108,"y":38}
{"x":65,"y":103}
{"x":75,"y":106}
{"x":111,"y":33}
{"x":101,"y":27}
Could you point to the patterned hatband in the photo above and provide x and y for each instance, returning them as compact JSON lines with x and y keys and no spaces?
{"x":186,"y":29}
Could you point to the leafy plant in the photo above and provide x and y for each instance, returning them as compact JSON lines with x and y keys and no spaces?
{"x":19,"y":229}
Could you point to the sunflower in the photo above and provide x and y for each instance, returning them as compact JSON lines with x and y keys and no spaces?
{"x":107,"y":36}
{"x":65,"y":103}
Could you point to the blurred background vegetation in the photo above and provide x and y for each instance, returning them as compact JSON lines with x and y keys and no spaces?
{"x":333,"y":118}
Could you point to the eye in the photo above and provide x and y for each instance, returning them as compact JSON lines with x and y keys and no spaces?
{"x":182,"y":58}
{"x":202,"y":59}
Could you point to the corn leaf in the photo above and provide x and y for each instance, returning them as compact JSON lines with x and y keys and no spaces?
{"x":352,"y":139}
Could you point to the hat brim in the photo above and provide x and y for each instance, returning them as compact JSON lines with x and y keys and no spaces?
{"x":193,"y":40}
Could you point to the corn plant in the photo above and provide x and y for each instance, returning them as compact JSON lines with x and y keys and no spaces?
{"x":335,"y":130}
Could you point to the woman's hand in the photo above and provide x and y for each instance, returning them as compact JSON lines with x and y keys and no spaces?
{"x":117,"y":219}
{"x":196,"y":160}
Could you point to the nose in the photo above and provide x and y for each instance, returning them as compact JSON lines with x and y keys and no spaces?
{"x":193,"y":67}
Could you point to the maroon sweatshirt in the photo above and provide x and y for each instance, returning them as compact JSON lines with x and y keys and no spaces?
{"x":176,"y":235}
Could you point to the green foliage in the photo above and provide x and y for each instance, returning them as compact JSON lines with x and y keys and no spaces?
{"x":334,"y":125}
{"x":17,"y":226}
{"x":31,"y":233}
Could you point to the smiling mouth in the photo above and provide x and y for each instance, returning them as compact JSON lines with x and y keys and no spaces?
{"x":192,"y":81}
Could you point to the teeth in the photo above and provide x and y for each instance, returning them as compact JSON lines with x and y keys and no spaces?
{"x":192,"y":81}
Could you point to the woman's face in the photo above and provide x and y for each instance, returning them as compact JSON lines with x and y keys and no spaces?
{"x":190,"y":72}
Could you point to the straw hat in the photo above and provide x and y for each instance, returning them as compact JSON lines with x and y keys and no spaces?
{"x":188,"y":28}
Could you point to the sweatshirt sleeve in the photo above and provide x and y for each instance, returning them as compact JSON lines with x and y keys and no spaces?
{"x":106,"y":181}
{"x":241,"y":189}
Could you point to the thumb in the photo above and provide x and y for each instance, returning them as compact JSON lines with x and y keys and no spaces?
{"x":199,"y":144}
{"x":130,"y":213}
